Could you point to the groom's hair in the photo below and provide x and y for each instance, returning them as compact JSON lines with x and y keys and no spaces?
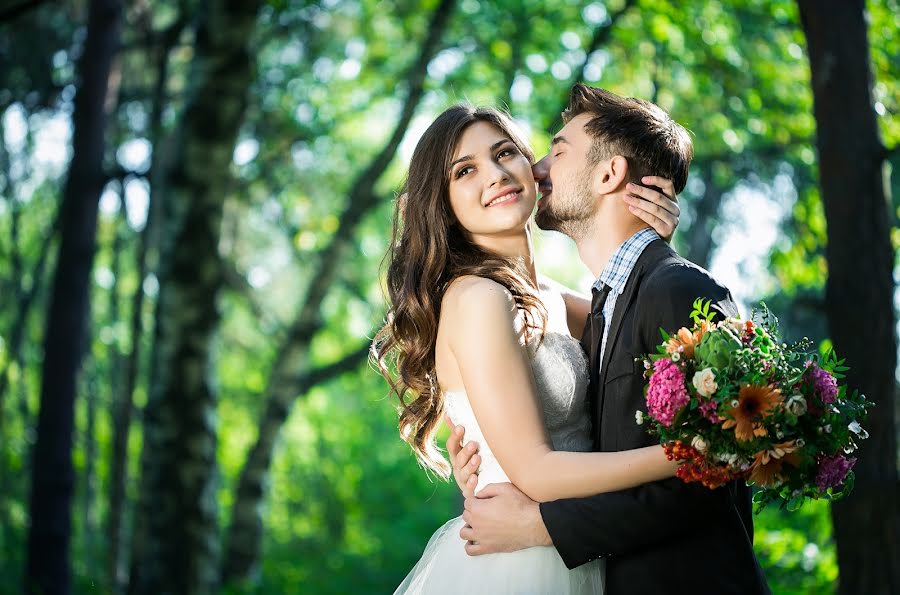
{"x":642,"y":132}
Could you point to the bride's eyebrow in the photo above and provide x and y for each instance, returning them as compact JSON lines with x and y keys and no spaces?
{"x":494,"y":147}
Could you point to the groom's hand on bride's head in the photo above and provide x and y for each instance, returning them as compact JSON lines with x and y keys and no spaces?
{"x":464,"y":459}
{"x":655,"y":203}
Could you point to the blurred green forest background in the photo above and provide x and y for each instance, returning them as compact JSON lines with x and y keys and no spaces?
{"x":195,"y":199}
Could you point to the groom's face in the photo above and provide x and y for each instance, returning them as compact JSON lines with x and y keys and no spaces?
{"x":564,"y":180}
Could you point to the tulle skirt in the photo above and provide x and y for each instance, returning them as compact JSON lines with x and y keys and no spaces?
{"x":445,"y":567}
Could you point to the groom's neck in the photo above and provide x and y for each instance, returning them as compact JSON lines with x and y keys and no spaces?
{"x":603,"y":237}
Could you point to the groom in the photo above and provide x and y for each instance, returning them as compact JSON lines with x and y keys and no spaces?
{"x":662,"y":537}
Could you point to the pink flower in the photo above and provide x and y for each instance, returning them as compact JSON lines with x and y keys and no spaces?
{"x":833,"y":470}
{"x":708,"y":409}
{"x":824,"y":384}
{"x":667,"y":394}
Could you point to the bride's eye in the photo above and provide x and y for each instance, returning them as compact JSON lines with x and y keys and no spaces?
{"x":506,"y":151}
{"x":462,"y":171}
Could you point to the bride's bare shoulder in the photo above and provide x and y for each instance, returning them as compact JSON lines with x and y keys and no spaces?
{"x":471,"y":291}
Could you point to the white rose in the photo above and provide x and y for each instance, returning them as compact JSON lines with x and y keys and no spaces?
{"x":796,"y":405}
{"x":676,"y":356}
{"x":699,"y":444}
{"x":705,"y":382}
{"x":726,"y":457}
{"x":639,"y":417}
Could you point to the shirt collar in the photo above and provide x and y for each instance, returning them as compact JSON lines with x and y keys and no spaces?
{"x":622,"y":261}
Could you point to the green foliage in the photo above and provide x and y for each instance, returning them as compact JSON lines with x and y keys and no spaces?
{"x":796,"y":549}
{"x":701,"y":310}
{"x":347,"y":509}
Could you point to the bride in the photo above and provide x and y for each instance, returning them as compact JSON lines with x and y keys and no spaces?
{"x":474,"y":332}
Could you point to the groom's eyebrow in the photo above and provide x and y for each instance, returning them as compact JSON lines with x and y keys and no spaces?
{"x":558,"y":139}
{"x":494,"y":147}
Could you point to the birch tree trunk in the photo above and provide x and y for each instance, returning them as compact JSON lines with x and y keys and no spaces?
{"x":177,"y":533}
{"x":860,"y":289}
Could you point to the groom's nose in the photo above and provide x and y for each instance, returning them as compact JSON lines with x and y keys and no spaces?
{"x":541,"y":173}
{"x":541,"y":169}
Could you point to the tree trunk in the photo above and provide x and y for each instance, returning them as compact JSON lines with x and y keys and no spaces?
{"x":47,"y":566}
{"x":123,"y":404}
{"x":859,"y":290}
{"x":178,"y":538}
{"x":244,"y":539}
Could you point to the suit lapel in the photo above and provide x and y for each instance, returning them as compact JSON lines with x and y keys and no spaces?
{"x":623,"y":303}
{"x":653,"y":253}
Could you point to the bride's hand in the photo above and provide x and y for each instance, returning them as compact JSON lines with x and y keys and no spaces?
{"x":659,"y":209}
{"x":464,"y":459}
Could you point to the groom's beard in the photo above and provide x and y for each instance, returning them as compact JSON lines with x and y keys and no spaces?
{"x":571,"y":214}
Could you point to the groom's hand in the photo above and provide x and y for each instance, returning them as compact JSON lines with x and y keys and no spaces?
{"x":464,"y":459}
{"x":502,"y":519}
{"x":656,"y":204}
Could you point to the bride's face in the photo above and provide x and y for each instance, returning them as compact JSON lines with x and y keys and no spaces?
{"x":492,"y":189}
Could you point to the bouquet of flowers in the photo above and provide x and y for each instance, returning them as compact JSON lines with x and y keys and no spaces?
{"x":731,"y":402}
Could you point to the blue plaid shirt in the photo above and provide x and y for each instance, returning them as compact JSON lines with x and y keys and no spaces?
{"x":617,"y":271}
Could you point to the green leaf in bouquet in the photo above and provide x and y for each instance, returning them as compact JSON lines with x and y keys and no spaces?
{"x":664,"y":334}
{"x":766,"y":321}
{"x":845,"y":488}
{"x":796,"y":377}
{"x":794,"y":503}
{"x":679,"y":417}
{"x":701,"y":311}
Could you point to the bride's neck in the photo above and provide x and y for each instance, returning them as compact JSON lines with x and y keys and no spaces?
{"x":519,"y":246}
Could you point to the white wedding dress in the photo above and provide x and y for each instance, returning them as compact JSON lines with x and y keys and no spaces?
{"x":561,"y":376}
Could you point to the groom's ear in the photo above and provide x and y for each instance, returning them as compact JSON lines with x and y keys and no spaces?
{"x":610,"y":175}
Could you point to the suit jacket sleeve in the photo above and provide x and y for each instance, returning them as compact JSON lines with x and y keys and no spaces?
{"x":618,"y":523}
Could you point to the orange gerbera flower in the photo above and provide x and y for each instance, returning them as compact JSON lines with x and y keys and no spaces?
{"x":767,"y":464}
{"x":755,"y":403}
{"x":766,"y":475}
{"x":687,"y":339}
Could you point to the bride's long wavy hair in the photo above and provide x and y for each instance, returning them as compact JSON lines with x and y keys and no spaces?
{"x":429,"y":249}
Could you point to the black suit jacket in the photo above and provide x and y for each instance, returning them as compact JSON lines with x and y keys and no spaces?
{"x":666,"y":536}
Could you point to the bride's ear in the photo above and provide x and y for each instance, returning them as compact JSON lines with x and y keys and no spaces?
{"x":610,"y":175}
